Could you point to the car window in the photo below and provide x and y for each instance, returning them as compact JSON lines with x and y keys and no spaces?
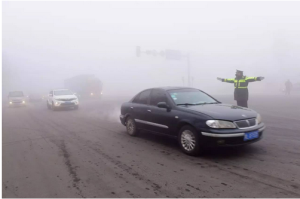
{"x":143,"y":97}
{"x":190,"y":96}
{"x":136,"y":99}
{"x":16,"y":94}
{"x":51,"y":92}
{"x":63,"y":92}
{"x":158,"y":96}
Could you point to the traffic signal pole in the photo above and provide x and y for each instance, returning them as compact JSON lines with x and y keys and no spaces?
{"x":171,"y":55}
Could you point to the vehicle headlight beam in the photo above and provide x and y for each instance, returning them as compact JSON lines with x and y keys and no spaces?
{"x":220,"y":124}
{"x":258,"y":119}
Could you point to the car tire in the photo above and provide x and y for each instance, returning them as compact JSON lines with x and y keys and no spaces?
{"x":189,"y":141}
{"x":53,"y":107}
{"x":131,"y":127}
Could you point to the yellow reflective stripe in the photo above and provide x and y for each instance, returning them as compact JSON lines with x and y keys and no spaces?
{"x":242,"y":87}
{"x":255,"y":78}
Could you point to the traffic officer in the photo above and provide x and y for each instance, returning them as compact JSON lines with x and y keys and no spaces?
{"x":241,"y":87}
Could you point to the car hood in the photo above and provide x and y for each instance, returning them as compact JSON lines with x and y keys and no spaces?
{"x":223,"y":111}
{"x":64,"y":97}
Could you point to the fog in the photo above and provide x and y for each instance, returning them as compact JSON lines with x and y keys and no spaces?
{"x":46,"y":42}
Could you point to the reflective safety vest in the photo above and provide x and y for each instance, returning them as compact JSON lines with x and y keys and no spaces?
{"x":241,"y":83}
{"x":241,"y":86}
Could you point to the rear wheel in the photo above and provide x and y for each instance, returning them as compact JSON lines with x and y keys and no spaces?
{"x":189,"y":141}
{"x":131,"y":127}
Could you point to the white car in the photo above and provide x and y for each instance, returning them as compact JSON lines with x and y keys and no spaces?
{"x":61,"y":98}
{"x":16,"y":98}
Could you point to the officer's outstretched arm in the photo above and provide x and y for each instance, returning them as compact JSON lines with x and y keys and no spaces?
{"x":253,"y":79}
{"x":226,"y":80}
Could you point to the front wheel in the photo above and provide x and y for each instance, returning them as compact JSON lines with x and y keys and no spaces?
{"x":189,"y":141}
{"x":131,"y":127}
{"x":53,"y":107}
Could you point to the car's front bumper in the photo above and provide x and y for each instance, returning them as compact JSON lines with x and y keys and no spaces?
{"x":122,"y":119}
{"x":17,"y":104}
{"x":66,"y":105}
{"x":235,"y":137}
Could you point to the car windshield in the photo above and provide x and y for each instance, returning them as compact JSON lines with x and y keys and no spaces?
{"x":191,"y":97}
{"x":16,"y":94}
{"x":63,"y":92}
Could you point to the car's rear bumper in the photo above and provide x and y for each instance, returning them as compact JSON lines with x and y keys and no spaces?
{"x":213,"y":139}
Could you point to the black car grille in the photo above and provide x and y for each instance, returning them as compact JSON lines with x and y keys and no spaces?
{"x":246,"y":123}
{"x":67,"y":104}
{"x":66,"y":100}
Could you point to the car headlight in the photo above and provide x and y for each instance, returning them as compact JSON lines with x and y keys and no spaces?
{"x":10,"y":102}
{"x":220,"y":124}
{"x":258,"y":119}
{"x":92,"y":93}
{"x":23,"y":102}
{"x":57,"y":103}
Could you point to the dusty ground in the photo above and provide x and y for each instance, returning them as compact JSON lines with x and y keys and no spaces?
{"x":87,"y":153}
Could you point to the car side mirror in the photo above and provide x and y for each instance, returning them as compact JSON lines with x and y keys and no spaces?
{"x":163,"y":105}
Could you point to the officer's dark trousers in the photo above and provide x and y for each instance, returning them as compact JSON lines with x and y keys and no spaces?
{"x":243,"y":103}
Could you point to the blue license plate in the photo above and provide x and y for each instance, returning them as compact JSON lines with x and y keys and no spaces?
{"x":251,"y":135}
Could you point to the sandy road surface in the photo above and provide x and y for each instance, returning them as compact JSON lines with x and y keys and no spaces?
{"x":87,"y":153}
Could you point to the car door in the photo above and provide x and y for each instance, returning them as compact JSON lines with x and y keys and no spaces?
{"x":139,"y":109}
{"x":161,"y":119}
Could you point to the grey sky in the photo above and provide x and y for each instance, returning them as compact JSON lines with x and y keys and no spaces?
{"x":46,"y":42}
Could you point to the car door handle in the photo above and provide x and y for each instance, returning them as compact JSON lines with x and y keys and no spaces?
{"x":149,"y":111}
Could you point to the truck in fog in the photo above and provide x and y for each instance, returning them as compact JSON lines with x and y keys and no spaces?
{"x":85,"y":86}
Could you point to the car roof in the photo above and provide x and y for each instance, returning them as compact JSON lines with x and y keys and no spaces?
{"x":15,"y":91}
{"x":167,"y":88}
{"x":62,"y":89}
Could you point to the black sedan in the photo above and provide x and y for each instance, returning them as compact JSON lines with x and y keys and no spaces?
{"x":194,"y":117}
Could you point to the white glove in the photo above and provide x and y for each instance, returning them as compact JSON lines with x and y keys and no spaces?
{"x":261,"y":78}
{"x":220,"y":79}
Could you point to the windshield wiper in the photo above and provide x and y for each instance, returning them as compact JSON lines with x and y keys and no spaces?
{"x":186,"y":104}
{"x":210,"y":103}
